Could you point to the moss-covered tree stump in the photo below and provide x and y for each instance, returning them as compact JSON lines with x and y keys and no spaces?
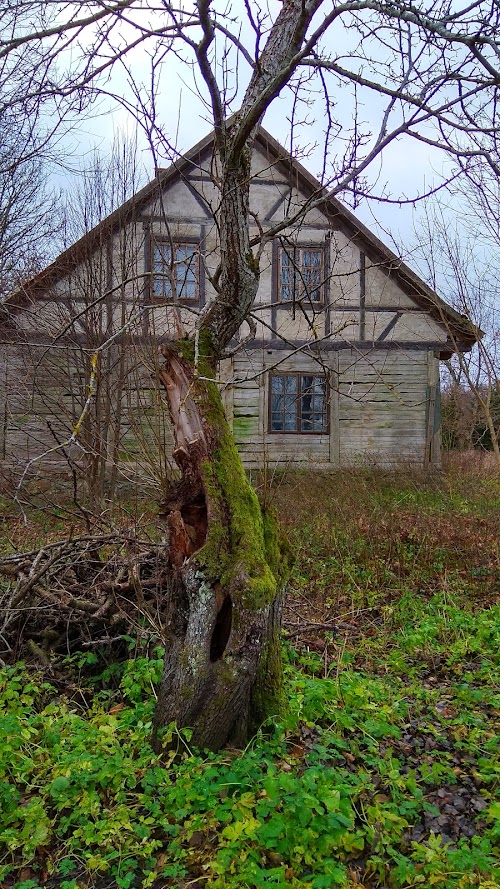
{"x":222,"y":675}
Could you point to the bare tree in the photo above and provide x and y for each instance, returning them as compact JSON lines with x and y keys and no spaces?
{"x":30,"y":221}
{"x":431,"y":74}
{"x":459,"y":260}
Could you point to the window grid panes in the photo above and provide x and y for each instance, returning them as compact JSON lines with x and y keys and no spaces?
{"x":298,"y":403}
{"x":175,"y":271}
{"x":312,"y":273}
{"x":300,"y":274}
{"x":287,"y":277}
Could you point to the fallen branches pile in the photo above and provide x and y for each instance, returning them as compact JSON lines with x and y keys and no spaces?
{"x":80,"y":593}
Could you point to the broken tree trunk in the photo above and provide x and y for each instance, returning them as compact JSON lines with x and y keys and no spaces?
{"x":222,"y":674}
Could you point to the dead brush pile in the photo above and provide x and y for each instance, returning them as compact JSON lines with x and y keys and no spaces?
{"x":72,"y":595}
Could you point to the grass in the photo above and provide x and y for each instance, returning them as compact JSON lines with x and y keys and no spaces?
{"x":384,"y":773}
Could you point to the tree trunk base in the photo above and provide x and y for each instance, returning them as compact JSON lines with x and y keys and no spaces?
{"x":222,"y":674}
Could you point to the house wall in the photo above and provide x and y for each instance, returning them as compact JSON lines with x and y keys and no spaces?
{"x":374,"y":343}
{"x":34,"y":404}
{"x":382,"y":404}
{"x":379,"y":406}
{"x":42,"y":398}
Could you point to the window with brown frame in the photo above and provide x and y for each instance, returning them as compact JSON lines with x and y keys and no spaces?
{"x":301,"y":274}
{"x":175,"y":269}
{"x":298,"y":403}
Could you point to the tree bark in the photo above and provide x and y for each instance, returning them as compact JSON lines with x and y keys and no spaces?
{"x":222,"y":673}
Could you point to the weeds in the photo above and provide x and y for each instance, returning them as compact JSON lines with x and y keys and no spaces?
{"x":385,"y":772}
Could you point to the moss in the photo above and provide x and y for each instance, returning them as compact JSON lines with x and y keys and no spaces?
{"x":244,"y":550}
{"x":247,"y":551}
{"x":279,"y":552}
{"x":235,"y":551}
{"x":185,"y":348}
{"x":268,"y":693}
{"x":243,"y":426}
{"x":227,"y":673}
{"x":253,"y":263}
{"x":206,"y":353}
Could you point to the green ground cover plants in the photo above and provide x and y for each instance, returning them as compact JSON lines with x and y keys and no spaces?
{"x":383,"y":774}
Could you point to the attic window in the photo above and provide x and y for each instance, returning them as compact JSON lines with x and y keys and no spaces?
{"x":298,"y":403}
{"x":301,"y":274}
{"x":176,"y":272}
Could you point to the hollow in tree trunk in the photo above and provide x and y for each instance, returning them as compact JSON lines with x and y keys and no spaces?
{"x":222,"y":674}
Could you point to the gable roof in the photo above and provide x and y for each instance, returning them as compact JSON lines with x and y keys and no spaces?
{"x":460,"y":329}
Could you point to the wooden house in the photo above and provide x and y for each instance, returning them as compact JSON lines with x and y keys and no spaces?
{"x":339,"y":364}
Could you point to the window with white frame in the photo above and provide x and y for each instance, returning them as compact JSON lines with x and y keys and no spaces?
{"x":301,"y":274}
{"x":298,"y":403}
{"x":175,"y":271}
